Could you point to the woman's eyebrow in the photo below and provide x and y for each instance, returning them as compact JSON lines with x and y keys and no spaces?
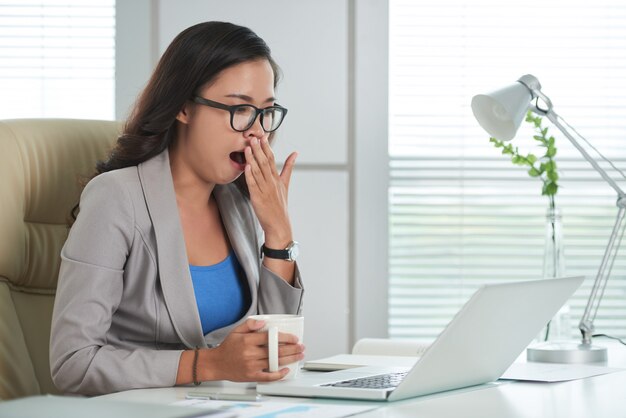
{"x":248,"y":98}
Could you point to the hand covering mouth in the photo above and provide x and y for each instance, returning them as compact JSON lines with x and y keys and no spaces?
{"x":238,"y":157}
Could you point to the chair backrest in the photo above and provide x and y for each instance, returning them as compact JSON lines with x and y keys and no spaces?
{"x":43,"y":163}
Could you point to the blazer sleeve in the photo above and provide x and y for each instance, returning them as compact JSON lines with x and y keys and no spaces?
{"x":90,"y":287}
{"x":276,"y":296}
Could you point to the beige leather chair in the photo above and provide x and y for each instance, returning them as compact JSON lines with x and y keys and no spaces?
{"x":42,"y":163}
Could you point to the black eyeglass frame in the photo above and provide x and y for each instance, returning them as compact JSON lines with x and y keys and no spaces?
{"x":233,"y":108}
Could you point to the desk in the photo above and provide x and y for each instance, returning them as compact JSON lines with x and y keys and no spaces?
{"x":595,"y":397}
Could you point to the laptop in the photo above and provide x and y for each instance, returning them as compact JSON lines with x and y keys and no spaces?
{"x":477,"y":346}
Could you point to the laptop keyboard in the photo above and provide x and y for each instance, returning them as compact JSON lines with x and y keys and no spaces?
{"x":383,"y":381}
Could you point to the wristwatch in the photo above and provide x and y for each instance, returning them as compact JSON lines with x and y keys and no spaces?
{"x":288,"y":254}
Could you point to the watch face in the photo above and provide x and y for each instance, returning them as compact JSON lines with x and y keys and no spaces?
{"x":294,"y":250}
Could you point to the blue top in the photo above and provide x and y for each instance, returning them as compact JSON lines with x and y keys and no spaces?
{"x":222,"y":293}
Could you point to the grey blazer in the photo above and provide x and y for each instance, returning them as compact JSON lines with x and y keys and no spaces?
{"x":125,"y":306}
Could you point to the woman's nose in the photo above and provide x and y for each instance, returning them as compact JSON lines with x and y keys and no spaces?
{"x":256,"y":130}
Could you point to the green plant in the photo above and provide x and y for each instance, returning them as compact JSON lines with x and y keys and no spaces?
{"x":543,"y":167}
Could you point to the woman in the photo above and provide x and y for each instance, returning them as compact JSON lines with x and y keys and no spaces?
{"x":162,"y":266}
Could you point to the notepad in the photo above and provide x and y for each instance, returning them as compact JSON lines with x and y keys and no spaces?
{"x":372,"y":352}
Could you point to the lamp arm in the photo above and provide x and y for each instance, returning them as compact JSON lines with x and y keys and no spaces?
{"x":597,"y":292}
{"x":556,"y":120}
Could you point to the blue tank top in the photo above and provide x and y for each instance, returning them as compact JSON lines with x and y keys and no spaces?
{"x":222,"y":293}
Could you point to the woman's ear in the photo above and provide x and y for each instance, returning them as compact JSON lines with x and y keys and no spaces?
{"x":184,"y":112}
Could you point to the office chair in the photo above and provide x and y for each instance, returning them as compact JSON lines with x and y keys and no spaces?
{"x":43,"y":165}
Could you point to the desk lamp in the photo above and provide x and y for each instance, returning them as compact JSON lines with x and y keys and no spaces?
{"x":500,"y":113}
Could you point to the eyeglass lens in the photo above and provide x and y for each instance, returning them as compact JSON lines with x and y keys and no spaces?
{"x":244,"y":117}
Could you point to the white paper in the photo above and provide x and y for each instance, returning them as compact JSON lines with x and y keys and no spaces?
{"x":269,"y":409}
{"x":550,"y":372}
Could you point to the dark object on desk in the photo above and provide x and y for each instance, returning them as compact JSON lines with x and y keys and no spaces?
{"x":73,"y":407}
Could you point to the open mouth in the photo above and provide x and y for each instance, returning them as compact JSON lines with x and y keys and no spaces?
{"x":238,"y":157}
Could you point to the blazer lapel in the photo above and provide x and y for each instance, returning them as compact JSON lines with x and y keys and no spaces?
{"x":158,"y":188}
{"x":240,"y":226}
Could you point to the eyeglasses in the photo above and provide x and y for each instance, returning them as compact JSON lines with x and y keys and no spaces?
{"x":242,"y":116}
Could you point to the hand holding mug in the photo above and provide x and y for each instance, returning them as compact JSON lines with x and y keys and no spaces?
{"x":279,"y":353}
{"x":244,"y":357}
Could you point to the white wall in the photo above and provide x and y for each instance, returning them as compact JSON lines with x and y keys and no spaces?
{"x":333,"y":56}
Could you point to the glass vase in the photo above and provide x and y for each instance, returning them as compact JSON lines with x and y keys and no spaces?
{"x":559,"y":328}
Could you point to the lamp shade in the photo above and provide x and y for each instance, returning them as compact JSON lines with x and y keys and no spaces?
{"x":500,"y":113}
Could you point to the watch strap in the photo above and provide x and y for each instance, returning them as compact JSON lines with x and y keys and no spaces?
{"x":288,"y":254}
{"x":272,"y":253}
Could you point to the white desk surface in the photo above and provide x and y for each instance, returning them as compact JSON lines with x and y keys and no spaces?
{"x":594,"y":397}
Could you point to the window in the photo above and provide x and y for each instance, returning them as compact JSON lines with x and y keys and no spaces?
{"x":461,"y":214}
{"x":57,"y":59}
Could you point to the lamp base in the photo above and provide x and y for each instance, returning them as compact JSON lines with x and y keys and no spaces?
{"x":566,"y":352}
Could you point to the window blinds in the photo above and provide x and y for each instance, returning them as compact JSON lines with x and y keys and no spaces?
{"x":461,"y":214}
{"x":57,"y":58}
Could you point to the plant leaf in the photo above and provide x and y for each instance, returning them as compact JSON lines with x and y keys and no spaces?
{"x":551,"y":188}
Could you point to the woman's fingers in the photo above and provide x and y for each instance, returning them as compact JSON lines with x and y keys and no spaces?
{"x":259,"y":158}
{"x":290,"y":350}
{"x":285,"y":174}
{"x":262,"y":376}
{"x":249,"y":325}
{"x":282,"y":361}
{"x":253,"y":186}
{"x":269,"y":156}
{"x":254,"y":170}
{"x":287,"y":343}
{"x":286,"y":338}
{"x":292,"y":353}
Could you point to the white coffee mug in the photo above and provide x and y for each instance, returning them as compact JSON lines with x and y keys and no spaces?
{"x":275,"y":323}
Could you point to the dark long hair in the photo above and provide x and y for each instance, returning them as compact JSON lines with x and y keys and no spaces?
{"x":194,"y":58}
